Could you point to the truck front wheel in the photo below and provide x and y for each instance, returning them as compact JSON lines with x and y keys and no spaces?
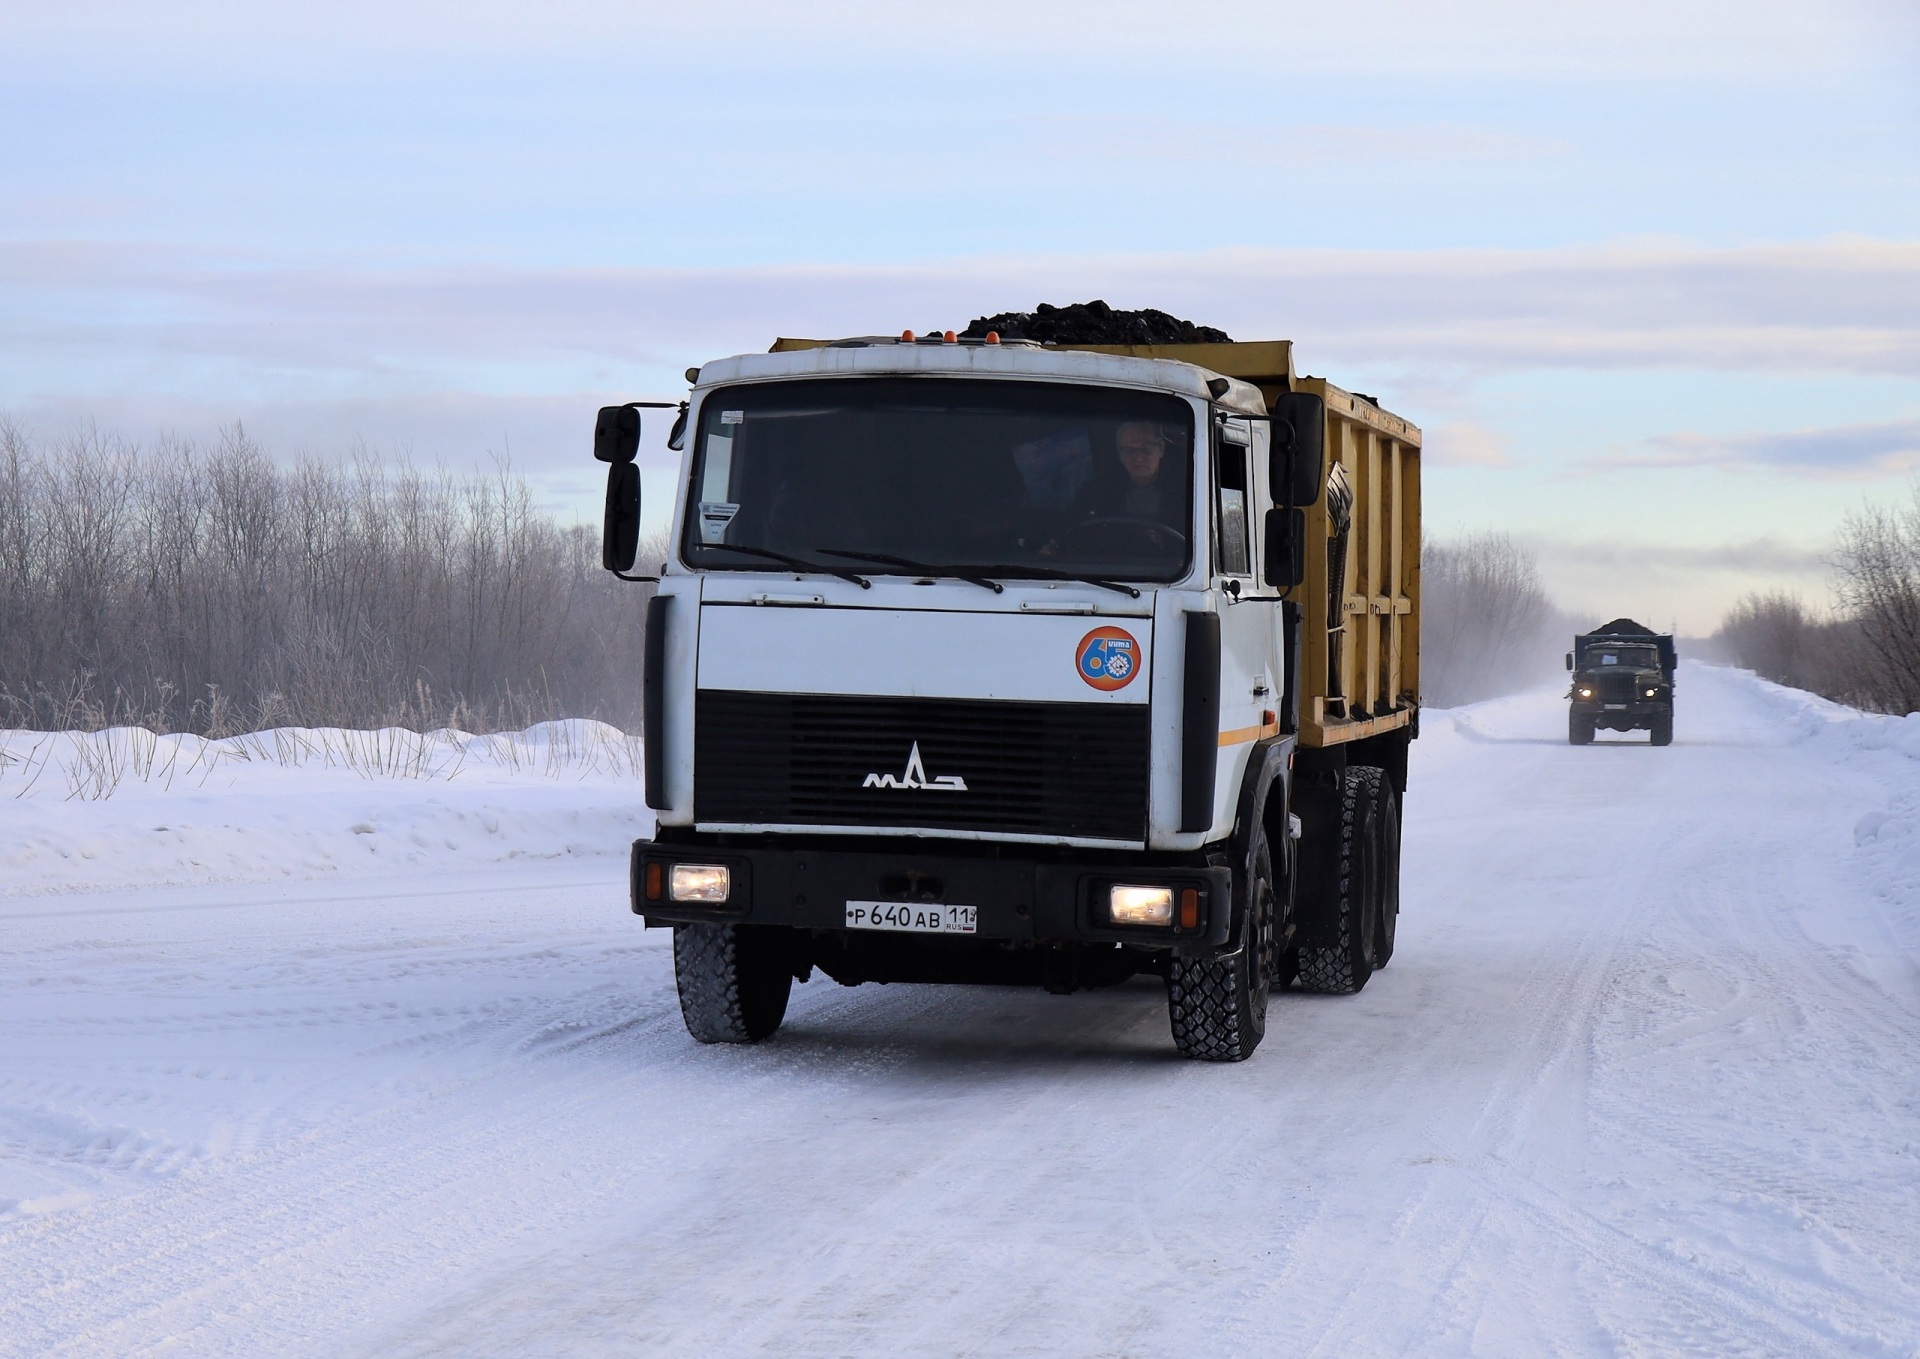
{"x":734,"y":981}
{"x":1218,"y":1006}
{"x":1662,"y":729}
{"x":1369,"y":851}
{"x":1579,"y":729}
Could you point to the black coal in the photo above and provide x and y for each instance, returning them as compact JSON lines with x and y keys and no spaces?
{"x":1094,"y":323}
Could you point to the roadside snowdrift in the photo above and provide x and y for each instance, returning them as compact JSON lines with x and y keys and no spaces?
{"x":128,"y":808}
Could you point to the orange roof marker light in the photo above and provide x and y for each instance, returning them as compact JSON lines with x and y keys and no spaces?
{"x":948,"y":337}
{"x":906,"y":337}
{"x":993,"y":337}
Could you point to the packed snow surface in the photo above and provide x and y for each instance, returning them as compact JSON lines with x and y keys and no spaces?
{"x":1640,"y":1081}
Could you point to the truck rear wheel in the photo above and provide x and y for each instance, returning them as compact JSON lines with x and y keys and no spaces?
{"x":1662,"y":730}
{"x":1367,"y":806}
{"x":1579,"y":729}
{"x":1218,"y":1006}
{"x":734,"y":981}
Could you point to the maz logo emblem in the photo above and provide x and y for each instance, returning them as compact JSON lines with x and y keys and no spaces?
{"x":916,"y":777}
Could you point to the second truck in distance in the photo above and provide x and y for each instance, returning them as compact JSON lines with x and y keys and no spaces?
{"x":1622,"y":681}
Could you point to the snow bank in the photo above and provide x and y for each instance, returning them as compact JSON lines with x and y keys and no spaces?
{"x":128,"y":808}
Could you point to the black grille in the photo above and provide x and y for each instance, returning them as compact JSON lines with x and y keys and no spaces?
{"x":1616,"y":686}
{"x":1076,"y":769}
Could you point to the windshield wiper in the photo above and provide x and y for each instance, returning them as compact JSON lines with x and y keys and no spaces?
{"x":798,"y":563}
{"x":909,"y":564}
{"x":1049,"y":573}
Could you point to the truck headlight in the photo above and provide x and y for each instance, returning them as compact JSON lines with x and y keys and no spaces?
{"x":1585,"y":693}
{"x":1653,"y":693}
{"x":699,"y":882}
{"x":1140,"y":905}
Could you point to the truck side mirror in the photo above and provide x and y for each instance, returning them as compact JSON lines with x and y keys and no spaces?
{"x":1297,"y":454}
{"x":620,"y":531}
{"x":1286,"y":548}
{"x":616,"y":435}
{"x":1569,"y":660}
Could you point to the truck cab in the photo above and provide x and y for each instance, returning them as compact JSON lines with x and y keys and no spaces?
{"x":982,"y":662}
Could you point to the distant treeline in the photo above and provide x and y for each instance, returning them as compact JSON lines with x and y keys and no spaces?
{"x":1865,"y":653}
{"x":200,"y":589}
{"x":1487,"y":625}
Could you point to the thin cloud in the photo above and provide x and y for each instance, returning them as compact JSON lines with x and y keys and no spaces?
{"x":1187,"y":141}
{"x":1849,"y":451}
{"x":1637,"y":38}
{"x":1836,"y":306}
{"x":1463,"y":443}
{"x":1764,"y":555}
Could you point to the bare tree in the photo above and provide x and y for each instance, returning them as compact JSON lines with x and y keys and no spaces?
{"x":1878,"y":559}
{"x":1487,"y":625}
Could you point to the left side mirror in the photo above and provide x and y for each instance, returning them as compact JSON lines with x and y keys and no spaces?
{"x":1569,"y":660}
{"x":616,"y":435}
{"x":620,"y":532}
{"x":1286,"y":554}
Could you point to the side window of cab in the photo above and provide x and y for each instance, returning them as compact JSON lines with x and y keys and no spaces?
{"x":1233,"y":554}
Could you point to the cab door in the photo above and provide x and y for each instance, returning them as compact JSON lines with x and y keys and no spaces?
{"x":1247,"y":632}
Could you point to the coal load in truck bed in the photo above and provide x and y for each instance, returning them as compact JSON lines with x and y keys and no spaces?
{"x":1094,"y":323}
{"x":1623,"y":627}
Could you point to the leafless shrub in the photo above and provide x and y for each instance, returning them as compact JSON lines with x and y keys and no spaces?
{"x":1868,"y":653}
{"x":209,"y":590}
{"x":1487,"y":626}
{"x":1777,"y":637}
{"x":1878,"y":559}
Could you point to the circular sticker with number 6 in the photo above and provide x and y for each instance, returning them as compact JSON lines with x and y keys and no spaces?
{"x":1108,"y":658}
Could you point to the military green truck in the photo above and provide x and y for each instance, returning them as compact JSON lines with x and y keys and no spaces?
{"x":1622,"y":681}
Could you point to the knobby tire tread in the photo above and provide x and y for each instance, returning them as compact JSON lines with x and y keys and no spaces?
{"x":1345,"y":967}
{"x":724,"y":997}
{"x":1212,"y":1003}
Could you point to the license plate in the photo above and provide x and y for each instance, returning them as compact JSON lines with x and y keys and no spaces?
{"x":913,"y":917}
{"x":1612,"y":707}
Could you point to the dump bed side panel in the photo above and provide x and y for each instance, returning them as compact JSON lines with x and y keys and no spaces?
{"x":1360,"y":670}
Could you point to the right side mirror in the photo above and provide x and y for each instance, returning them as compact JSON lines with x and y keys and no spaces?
{"x":1286,"y":548}
{"x":1297,"y":453}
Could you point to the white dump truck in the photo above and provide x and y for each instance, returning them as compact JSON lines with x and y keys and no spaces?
{"x":999,"y":662}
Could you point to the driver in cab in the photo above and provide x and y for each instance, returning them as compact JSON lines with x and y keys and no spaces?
{"x":1140,"y":487}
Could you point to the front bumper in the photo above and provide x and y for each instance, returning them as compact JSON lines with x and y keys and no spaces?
{"x":1021,"y":893}
{"x":1624,"y":716}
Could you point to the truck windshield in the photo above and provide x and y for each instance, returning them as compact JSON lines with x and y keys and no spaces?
{"x":997,"y":478}
{"x":1635,"y":657}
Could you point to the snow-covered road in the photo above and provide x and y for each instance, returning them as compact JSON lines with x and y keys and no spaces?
{"x":1642,"y":1079}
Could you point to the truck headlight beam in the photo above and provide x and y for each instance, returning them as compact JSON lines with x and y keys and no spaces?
{"x":699,"y":882}
{"x":1139,"y":905}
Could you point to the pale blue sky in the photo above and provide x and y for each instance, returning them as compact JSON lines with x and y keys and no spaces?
{"x":1649,"y":274}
